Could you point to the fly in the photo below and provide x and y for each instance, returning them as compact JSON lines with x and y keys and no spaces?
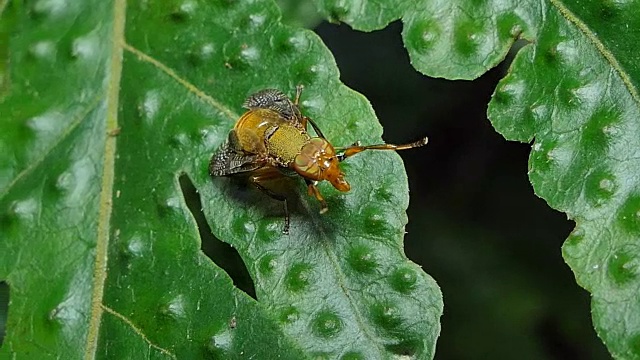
{"x":270,"y":141}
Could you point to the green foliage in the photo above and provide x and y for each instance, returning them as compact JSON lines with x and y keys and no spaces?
{"x":299,"y":13}
{"x":583,"y":115}
{"x":574,"y":89}
{"x":104,"y":105}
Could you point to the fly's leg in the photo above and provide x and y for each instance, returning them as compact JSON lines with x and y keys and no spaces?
{"x":304,"y":119}
{"x":299,"y":89}
{"x":313,"y":125}
{"x":356,"y":148}
{"x":315,"y":192}
{"x":287,"y":219}
{"x":296,"y":103}
{"x":257,"y":181}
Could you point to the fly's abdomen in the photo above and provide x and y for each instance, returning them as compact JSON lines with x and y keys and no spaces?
{"x":252,"y":127}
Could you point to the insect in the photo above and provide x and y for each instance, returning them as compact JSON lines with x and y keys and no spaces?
{"x":270,"y":141}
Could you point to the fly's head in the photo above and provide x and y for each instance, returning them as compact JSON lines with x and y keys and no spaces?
{"x":318,"y":161}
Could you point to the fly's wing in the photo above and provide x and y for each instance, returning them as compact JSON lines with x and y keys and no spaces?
{"x":228,"y":162}
{"x":275,"y":100}
{"x":230,"y":159}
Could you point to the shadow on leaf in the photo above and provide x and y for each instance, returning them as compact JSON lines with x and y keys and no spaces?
{"x":221,"y":253}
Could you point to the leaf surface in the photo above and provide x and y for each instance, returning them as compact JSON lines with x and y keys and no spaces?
{"x":574,"y":91}
{"x":105,"y":104}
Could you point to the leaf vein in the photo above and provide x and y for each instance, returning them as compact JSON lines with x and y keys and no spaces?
{"x":138,"y":331}
{"x":189,"y":86}
{"x":341,"y":281}
{"x":63,"y":136}
{"x":626,"y":80}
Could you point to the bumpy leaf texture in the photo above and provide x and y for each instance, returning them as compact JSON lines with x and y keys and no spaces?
{"x":104,"y":105}
{"x":574,"y":89}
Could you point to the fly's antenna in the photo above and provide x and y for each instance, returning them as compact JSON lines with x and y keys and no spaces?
{"x":357,"y":148}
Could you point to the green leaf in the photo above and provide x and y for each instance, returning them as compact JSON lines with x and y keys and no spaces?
{"x":450,"y":39}
{"x":98,"y":248}
{"x":299,"y":13}
{"x":104,"y":106}
{"x":582,"y":110}
{"x":574,"y":89}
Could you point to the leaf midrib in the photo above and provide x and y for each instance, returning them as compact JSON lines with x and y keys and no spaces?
{"x":3,"y":5}
{"x":108,"y":172}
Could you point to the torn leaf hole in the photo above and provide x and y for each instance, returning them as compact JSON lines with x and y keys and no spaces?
{"x":4,"y":309}
{"x":221,"y":253}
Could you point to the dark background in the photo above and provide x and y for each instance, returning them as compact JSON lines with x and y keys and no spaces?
{"x":475,"y":224}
